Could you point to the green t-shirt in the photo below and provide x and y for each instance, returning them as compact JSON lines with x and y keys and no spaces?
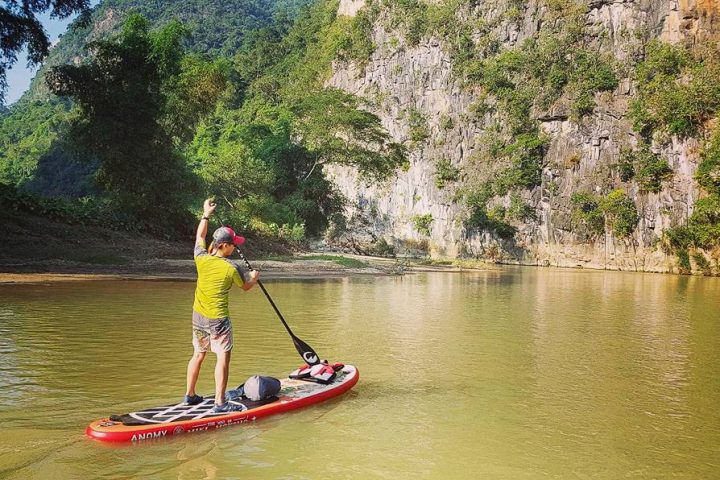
{"x":215,"y":277}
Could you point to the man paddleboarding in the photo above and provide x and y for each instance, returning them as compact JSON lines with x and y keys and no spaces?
{"x":212,"y":329}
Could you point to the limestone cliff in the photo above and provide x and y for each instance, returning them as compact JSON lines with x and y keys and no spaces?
{"x":404,"y":81}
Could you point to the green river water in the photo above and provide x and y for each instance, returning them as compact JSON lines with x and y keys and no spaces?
{"x":518,"y":373}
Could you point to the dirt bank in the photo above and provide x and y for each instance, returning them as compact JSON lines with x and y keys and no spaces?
{"x":35,"y":249}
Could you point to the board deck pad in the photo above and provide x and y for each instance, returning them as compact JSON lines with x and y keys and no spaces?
{"x":181,"y":412}
{"x":168,"y":420}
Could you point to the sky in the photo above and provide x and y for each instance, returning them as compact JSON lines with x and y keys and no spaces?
{"x":19,"y":76}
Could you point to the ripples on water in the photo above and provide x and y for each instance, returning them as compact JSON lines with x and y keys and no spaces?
{"x":515,"y":373}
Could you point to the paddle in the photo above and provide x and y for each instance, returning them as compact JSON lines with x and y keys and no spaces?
{"x":305,"y":351}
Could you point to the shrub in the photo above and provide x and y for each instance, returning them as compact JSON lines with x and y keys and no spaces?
{"x":702,"y":263}
{"x":357,"y":43}
{"x":382,"y":248}
{"x":701,"y":231}
{"x":519,"y":210}
{"x":647,"y":168}
{"x":684,"y":261}
{"x":492,"y":221}
{"x":626,"y":164}
{"x":446,"y":123}
{"x":678,"y":238}
{"x":677,"y":91}
{"x":708,"y":172}
{"x":652,"y":171}
{"x":337,"y":225}
{"x":419,"y":130}
{"x":704,"y":223}
{"x":587,"y":213}
{"x":445,"y":172}
{"x":83,"y":211}
{"x":422,"y":223}
{"x":525,"y":155}
{"x":620,"y":213}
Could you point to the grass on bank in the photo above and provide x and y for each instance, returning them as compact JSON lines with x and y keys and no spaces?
{"x":338,"y":259}
{"x":466,"y":263}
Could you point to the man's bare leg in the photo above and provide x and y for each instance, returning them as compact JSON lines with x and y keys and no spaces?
{"x":221,"y":376}
{"x":193,"y":371}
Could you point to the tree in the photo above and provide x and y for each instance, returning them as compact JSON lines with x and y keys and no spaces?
{"x":139,"y":97}
{"x":20,"y":28}
{"x":331,"y":126}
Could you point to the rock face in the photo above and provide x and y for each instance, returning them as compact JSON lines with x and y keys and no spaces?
{"x":400,"y":78}
{"x":350,"y":7}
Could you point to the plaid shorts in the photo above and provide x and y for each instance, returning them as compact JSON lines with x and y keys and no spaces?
{"x":214,"y":334}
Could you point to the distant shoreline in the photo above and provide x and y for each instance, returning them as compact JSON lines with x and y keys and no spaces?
{"x":299,"y":266}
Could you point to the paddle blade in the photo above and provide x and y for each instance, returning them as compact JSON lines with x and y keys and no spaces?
{"x":306,"y":352}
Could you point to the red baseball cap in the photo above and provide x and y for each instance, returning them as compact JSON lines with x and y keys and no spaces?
{"x":227,"y":235}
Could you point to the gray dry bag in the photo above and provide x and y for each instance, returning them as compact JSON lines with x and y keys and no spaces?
{"x":259,"y":387}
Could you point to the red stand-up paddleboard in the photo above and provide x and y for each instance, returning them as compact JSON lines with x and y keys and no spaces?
{"x":178,"y":419}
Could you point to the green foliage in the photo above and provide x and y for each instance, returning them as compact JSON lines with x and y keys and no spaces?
{"x":419,"y":130}
{"x":677,"y":239}
{"x":652,"y":171}
{"x":340,"y":260}
{"x":587,"y":214}
{"x":137,"y":97}
{"x":446,"y":123}
{"x":626,"y":164}
{"x":262,"y":174}
{"x":445,"y":172}
{"x":525,"y":155}
{"x":543,"y":69}
{"x":702,"y":263}
{"x":704,"y":223}
{"x":334,"y":128}
{"x":266,"y":153}
{"x":80,"y":211}
{"x":423,"y":223}
{"x":32,"y":137}
{"x":519,"y":210}
{"x":262,"y":153}
{"x":26,"y":134}
{"x":22,"y":30}
{"x":647,"y":168}
{"x":678,"y":90}
{"x":484,"y":218}
{"x":491,"y":220}
{"x":357,"y":44}
{"x":703,"y":227}
{"x":591,"y":73}
{"x":708,"y":172}
{"x":616,"y":211}
{"x":382,"y":248}
{"x":684,"y":262}
{"x":620,"y":213}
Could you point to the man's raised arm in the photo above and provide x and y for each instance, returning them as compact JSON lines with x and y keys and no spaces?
{"x":208,"y":209}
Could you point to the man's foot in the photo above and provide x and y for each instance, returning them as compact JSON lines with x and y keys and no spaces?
{"x":192,"y":400}
{"x":227,"y":407}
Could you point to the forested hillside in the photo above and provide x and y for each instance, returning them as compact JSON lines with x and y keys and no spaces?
{"x":149,"y":120}
{"x":548,"y":132}
{"x":31,"y":155}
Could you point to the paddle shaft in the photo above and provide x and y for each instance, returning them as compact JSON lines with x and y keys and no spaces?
{"x":303,"y":348}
